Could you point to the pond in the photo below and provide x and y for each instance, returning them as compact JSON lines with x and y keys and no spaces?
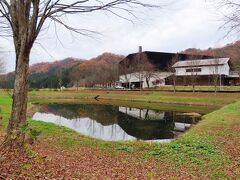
{"x":115,"y":123}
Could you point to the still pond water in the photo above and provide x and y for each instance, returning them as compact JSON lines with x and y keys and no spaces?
{"x":113,"y":123}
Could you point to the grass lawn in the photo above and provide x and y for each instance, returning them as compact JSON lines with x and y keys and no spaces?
{"x":210,"y":150}
{"x":197,"y":98}
{"x":201,"y":88}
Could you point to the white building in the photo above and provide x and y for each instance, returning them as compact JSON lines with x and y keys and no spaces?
{"x":204,"y":68}
{"x":216,"y":66}
{"x":205,"y":71}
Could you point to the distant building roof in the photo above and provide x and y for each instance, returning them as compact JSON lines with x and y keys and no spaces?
{"x":161,"y":59}
{"x":201,"y":62}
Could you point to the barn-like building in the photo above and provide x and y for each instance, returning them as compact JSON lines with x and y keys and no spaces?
{"x":181,"y":66}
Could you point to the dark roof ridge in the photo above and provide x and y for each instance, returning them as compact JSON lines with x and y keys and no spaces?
{"x":172,"y":53}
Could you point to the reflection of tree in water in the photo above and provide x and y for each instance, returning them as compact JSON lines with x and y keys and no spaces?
{"x":104,"y":114}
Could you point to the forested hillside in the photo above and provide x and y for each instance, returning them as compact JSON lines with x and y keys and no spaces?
{"x":69,"y":72}
{"x":100,"y":70}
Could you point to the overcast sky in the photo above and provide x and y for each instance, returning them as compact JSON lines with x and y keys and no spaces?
{"x":175,"y":27}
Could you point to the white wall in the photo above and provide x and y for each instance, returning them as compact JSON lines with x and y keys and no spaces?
{"x":134,"y":77}
{"x":205,"y":70}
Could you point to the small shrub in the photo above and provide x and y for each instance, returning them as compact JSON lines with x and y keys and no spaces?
{"x":31,"y":133}
{"x":126,"y":148}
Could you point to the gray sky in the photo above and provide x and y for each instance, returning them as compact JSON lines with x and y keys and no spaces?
{"x":180,"y":25}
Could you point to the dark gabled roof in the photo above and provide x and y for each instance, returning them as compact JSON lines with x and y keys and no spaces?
{"x":162,"y":59}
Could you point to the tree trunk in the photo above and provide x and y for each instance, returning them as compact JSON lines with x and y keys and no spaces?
{"x":77,"y":85}
{"x":215,"y":83}
{"x":193,"y":83}
{"x":147,"y":81}
{"x":15,"y":135}
{"x":174,"y":84}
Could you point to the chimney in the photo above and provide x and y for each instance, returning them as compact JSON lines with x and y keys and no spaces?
{"x":140,"y":49}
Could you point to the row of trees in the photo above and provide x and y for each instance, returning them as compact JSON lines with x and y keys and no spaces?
{"x":105,"y":74}
{"x":2,"y":70}
{"x":101,"y":70}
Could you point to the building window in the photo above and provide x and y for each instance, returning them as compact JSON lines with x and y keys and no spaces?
{"x":194,"y":70}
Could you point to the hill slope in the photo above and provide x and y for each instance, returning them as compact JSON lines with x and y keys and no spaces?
{"x":68,"y":71}
{"x":230,"y":50}
{"x":46,"y":66}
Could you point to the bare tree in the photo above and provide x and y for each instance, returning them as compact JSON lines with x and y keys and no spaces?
{"x":230,"y":10}
{"x":150,"y":71}
{"x":111,"y":69}
{"x":24,"y":20}
{"x":216,"y":71}
{"x":193,"y":70}
{"x":142,"y":68}
{"x":59,"y":78}
{"x":125,"y":70}
{"x":75,"y":75}
{"x":173,"y":70}
{"x":216,"y":74}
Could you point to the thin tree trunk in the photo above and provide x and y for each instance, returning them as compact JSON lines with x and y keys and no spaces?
{"x":193,"y":86}
{"x":77,"y":85}
{"x":215,"y":83}
{"x":174,"y":84}
{"x":15,"y":135}
{"x":147,"y":81}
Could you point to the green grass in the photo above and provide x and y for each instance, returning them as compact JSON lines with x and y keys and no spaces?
{"x":5,"y":106}
{"x":200,"y":150}
{"x":136,"y":104}
{"x":202,"y":88}
{"x":184,"y":98}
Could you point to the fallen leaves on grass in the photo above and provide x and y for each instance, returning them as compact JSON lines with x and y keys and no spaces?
{"x":56,"y":162}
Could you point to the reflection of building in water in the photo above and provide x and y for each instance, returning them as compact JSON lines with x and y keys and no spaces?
{"x":181,"y":122}
{"x":144,"y":114}
{"x":181,"y":127}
